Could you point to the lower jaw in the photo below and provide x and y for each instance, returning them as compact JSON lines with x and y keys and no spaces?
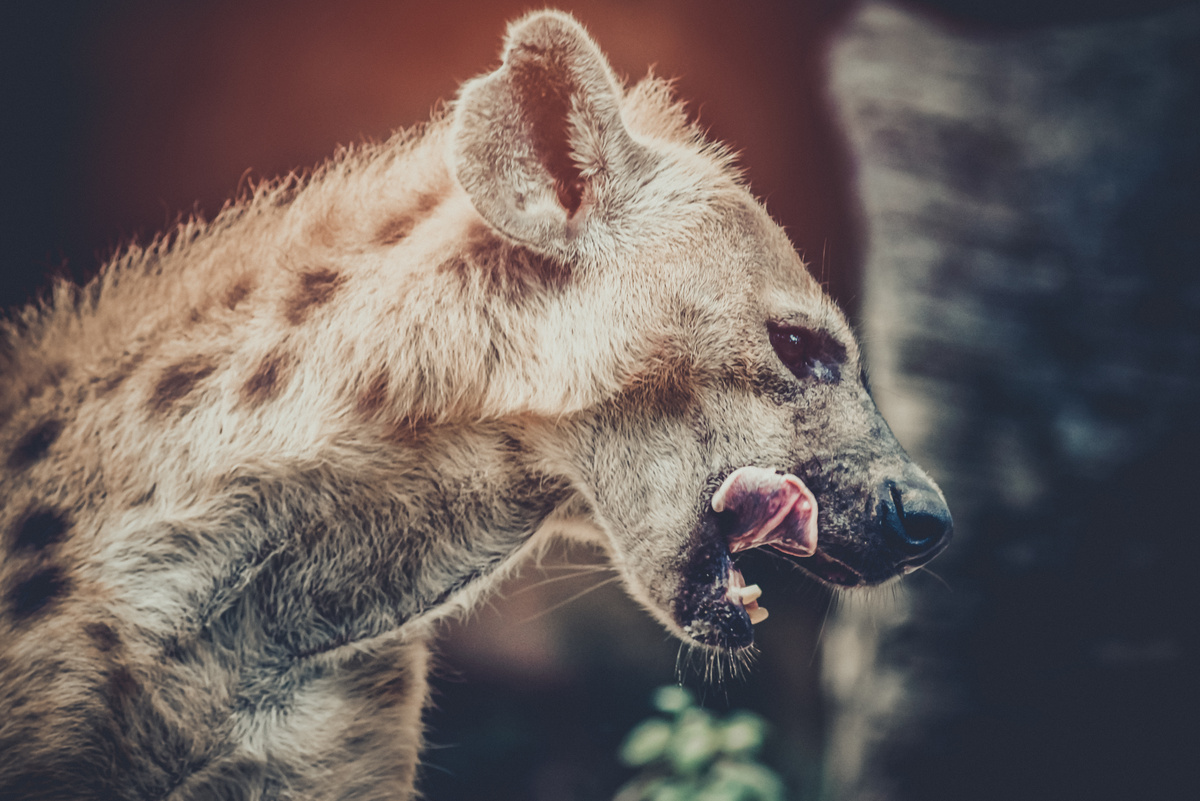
{"x":712,"y":634}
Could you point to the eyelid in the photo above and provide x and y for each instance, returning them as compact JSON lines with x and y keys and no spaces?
{"x":835,"y":350}
{"x":808,"y":353}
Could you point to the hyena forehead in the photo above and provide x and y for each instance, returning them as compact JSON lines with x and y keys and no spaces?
{"x":780,"y":286}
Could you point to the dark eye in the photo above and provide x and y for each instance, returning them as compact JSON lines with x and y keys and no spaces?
{"x":808,"y":354}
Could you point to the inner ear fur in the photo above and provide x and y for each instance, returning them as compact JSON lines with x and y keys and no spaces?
{"x":537,"y":143}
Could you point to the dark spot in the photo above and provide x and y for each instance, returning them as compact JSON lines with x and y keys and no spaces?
{"x":267,"y":379}
{"x":459,"y":266}
{"x":40,"y":529}
{"x":117,"y":377}
{"x":237,"y":293}
{"x":667,"y":380}
{"x":37,"y":591}
{"x":427,"y":202}
{"x":316,"y":288}
{"x":395,"y":229}
{"x":145,"y":497}
{"x":372,"y":399}
{"x":34,"y":445}
{"x":103,"y":636}
{"x":178,"y":380}
{"x":499,"y":269}
{"x":121,"y":686}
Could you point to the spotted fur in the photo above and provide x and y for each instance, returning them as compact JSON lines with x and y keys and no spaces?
{"x":248,"y":466}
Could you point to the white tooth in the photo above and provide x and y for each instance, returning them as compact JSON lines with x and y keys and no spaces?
{"x":757,"y":615}
{"x":748,"y":594}
{"x":718,"y":498}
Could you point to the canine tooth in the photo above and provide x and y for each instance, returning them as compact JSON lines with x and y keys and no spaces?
{"x":757,"y":615}
{"x":750,"y":593}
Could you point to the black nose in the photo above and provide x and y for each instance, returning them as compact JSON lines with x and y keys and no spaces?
{"x":913,"y":517}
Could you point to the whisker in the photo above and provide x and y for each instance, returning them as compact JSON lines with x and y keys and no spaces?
{"x":821,"y":631}
{"x":579,"y":570}
{"x":941,"y":580}
{"x":575,"y":597}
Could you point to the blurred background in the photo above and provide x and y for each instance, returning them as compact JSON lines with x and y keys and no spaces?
{"x":1006,"y":200}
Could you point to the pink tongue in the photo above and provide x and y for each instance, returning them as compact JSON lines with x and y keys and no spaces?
{"x":771,"y":509}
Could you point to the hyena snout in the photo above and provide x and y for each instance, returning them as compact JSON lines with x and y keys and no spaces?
{"x":913,"y":519}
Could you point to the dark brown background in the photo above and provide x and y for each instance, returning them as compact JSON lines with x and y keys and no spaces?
{"x":135,"y":112}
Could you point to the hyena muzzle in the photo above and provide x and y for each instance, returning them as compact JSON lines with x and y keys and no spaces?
{"x":248,"y":466}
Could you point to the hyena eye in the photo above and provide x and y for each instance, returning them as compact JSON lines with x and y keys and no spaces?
{"x":808,"y":354}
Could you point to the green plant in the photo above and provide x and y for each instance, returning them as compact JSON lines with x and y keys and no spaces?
{"x":692,"y":755}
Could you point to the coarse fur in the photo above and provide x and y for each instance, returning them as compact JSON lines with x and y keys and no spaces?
{"x":249,"y":465}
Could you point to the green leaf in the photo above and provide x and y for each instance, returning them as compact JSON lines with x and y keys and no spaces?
{"x":646,"y":743}
{"x":757,"y":783}
{"x":695,"y":742}
{"x":743,"y":734}
{"x":673,"y":699}
{"x":725,"y":790}
{"x":673,"y":791}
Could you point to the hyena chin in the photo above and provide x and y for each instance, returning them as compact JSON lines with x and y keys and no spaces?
{"x":248,"y":466}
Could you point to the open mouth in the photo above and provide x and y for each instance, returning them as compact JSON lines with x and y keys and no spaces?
{"x":775,"y":509}
{"x":755,"y":507}
{"x":762,"y":507}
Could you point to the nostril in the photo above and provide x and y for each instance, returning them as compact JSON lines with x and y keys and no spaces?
{"x":924,"y":529}
{"x":914,"y":519}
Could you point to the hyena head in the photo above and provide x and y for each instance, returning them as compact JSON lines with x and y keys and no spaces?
{"x":731,"y":409}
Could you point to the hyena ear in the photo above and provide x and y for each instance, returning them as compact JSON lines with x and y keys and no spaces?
{"x":539,"y":144}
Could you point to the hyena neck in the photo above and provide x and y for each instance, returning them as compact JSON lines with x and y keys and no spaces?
{"x":316,"y":558}
{"x":290,"y":459}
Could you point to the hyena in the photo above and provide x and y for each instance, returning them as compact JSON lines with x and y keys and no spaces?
{"x":248,"y":466}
